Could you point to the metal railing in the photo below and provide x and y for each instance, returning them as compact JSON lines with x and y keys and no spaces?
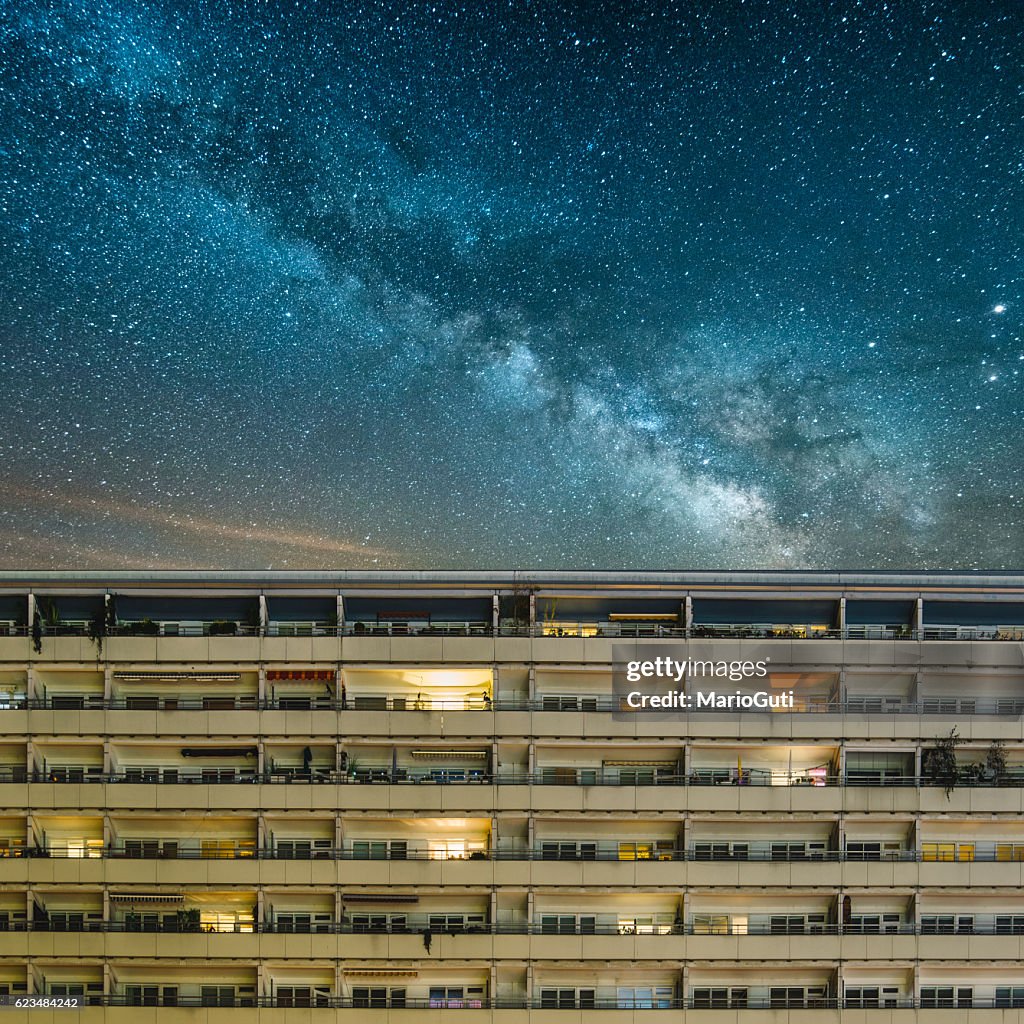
{"x":603,"y":852}
{"x":553,"y":628}
{"x":419,"y":926}
{"x":586,"y":704}
{"x":538,"y":1003}
{"x":701,"y":778}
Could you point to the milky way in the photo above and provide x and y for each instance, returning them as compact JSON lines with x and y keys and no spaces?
{"x":531,"y":284}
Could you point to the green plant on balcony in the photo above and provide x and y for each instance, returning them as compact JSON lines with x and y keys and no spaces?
{"x":145,"y":627}
{"x":37,"y":632}
{"x":188,"y":920}
{"x":222,"y":627}
{"x":995,"y":761}
{"x":96,"y":630}
{"x":938,"y":763}
{"x":252,"y":617}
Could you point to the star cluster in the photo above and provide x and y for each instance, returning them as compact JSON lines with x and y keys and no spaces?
{"x":677,"y":285}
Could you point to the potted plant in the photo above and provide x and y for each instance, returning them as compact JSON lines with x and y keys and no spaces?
{"x":938,"y":763}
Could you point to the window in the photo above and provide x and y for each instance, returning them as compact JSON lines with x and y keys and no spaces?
{"x":636,"y":851}
{"x":873,"y":924}
{"x":303,"y":995}
{"x":380,"y":849}
{"x":142,"y":995}
{"x":796,"y":924}
{"x":366,"y":998}
{"x":711,"y":924}
{"x":859,"y":850}
{"x":794,"y":997}
{"x":450,"y":998}
{"x":719,"y":998}
{"x":558,"y":998}
{"x":558,"y":924}
{"x":862,"y":998}
{"x":659,"y":998}
{"x":226,"y":849}
{"x":721,"y":851}
{"x":947,"y":851}
{"x":1010,"y":924}
{"x":1009,"y":851}
{"x":1005,"y":996}
{"x":217,"y":995}
{"x":568,"y":851}
{"x":946,"y":997}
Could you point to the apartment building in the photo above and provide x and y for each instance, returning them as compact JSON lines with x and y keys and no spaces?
{"x":376,"y":796}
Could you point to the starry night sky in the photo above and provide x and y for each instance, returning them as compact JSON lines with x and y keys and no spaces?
{"x":680,"y":285}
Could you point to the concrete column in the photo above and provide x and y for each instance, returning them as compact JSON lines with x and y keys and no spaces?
{"x":340,"y":612}
{"x":339,"y":834}
{"x":30,"y":903}
{"x":339,"y":906}
{"x":261,"y":832}
{"x":495,"y":613}
{"x":842,"y":617}
{"x":108,"y":980}
{"x":919,"y":618}
{"x":30,"y":757}
{"x":31,"y":611}
{"x":261,"y":760}
{"x":494,"y":834}
{"x":264,"y":620}
{"x":533,"y":608}
{"x":108,"y":832}
{"x":531,"y":908}
{"x":531,"y":685}
{"x":688,"y":616}
{"x":493,"y":913}
{"x":108,"y":685}
{"x":31,"y":684}
{"x":106,"y":904}
{"x":261,"y":684}
{"x":685,"y":911}
{"x":531,"y":758}
{"x":107,"y":766}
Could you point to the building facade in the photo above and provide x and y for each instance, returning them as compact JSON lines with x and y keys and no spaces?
{"x":369,"y":796}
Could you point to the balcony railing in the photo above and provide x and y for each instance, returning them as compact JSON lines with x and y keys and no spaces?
{"x":610,"y":851}
{"x":536,"y":1003}
{"x":580,"y":777}
{"x":417,"y":925}
{"x":576,"y":703}
{"x":599,"y":629}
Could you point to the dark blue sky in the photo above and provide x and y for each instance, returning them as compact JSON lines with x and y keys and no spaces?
{"x":512,"y":285}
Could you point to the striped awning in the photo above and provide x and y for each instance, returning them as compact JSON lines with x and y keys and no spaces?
{"x":451,"y":755}
{"x":300,"y":675}
{"x":175,"y":677}
{"x":147,"y":897}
